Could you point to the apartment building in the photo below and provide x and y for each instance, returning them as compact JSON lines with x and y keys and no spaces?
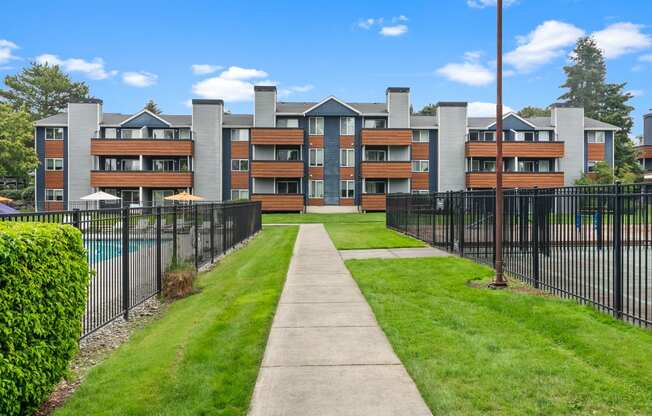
{"x":294,"y":156}
{"x":645,"y":147}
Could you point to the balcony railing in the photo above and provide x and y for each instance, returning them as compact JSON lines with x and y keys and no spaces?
{"x":373,"y":202}
{"x":515,"y":179}
{"x":401,"y":169}
{"x":277,"y":168}
{"x":515,"y":149}
{"x":280,"y":202}
{"x":386,"y":137}
{"x":146,"y":147}
{"x":138,"y":178}
{"x":277,"y":136}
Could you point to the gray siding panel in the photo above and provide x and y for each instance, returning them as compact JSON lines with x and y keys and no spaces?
{"x":570,"y":129}
{"x":226,"y":165}
{"x":265,"y":109}
{"x":207,"y":128}
{"x":331,"y":108}
{"x":398,"y":104}
{"x":647,"y":129}
{"x":451,"y":140}
{"x":83,"y":124}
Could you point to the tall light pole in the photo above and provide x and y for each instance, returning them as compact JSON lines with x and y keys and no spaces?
{"x":499,"y":281}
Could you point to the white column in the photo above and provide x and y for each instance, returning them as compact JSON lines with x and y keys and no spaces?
{"x":140,"y":162}
{"x":140,"y":195}
{"x":516,"y":164}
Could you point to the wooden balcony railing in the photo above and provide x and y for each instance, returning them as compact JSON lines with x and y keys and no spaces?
{"x":373,"y":202}
{"x":277,"y":169}
{"x":515,"y":179}
{"x":149,"y":179}
{"x":276,"y":136}
{"x":146,"y":147}
{"x":387,"y":169}
{"x":386,"y":137}
{"x":516,"y":149}
{"x":280,"y":202}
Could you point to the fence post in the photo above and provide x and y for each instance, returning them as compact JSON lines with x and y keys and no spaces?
{"x":174,"y":234}
{"x":407,"y":210}
{"x":125,"y":262}
{"x":196,"y":227}
{"x":223,"y":230}
{"x":76,"y":218}
{"x":159,"y":275}
{"x":451,"y":220}
{"x":418,"y":215}
{"x":461,"y":209}
{"x":212,"y":233}
{"x":536,"y":221}
{"x":433,"y":204}
{"x":618,"y":253}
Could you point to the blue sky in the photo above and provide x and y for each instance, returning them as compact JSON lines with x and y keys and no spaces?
{"x":129,"y":52}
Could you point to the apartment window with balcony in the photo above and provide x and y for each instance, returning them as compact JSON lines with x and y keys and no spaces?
{"x":54,"y":133}
{"x":239,"y":135}
{"x":474,"y":136}
{"x":130,"y":134}
{"x":240,"y":165}
{"x":166,"y":134}
{"x":420,"y":166}
{"x":115,"y":164}
{"x":239,"y":194}
{"x":524,"y":136}
{"x":184,"y":134}
{"x":375,"y":123}
{"x":347,"y":158}
{"x":420,"y":136}
{"x":489,"y":136}
{"x":316,"y":157}
{"x":288,"y":123}
{"x":287,"y":186}
{"x":544,"y":136}
{"x":130,"y":197}
{"x":527,"y":166}
{"x":159,"y":195}
{"x":54,"y":195}
{"x":316,"y":126}
{"x":287,"y":153}
{"x":54,"y":164}
{"x":170,"y":165}
{"x":483,"y":165}
{"x":347,"y":189}
{"x":110,"y":133}
{"x":596,"y":137}
{"x":376,"y":155}
{"x":316,"y":189}
{"x":375,"y":187}
{"x":347,"y":126}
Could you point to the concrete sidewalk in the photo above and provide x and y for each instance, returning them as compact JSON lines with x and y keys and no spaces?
{"x":393,"y":253}
{"x":326,"y":354}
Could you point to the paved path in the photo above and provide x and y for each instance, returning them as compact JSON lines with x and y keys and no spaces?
{"x":326,"y":354}
{"x":392,"y":253}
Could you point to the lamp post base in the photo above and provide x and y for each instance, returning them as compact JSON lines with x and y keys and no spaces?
{"x":498,"y":284}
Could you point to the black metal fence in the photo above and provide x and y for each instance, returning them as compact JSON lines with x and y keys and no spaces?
{"x":130,"y":249}
{"x":590,"y":243}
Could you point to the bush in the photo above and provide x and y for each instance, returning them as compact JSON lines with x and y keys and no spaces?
{"x":179,"y":281}
{"x":43,"y":282}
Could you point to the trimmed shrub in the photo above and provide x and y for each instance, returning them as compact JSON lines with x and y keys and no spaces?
{"x":43,"y":282}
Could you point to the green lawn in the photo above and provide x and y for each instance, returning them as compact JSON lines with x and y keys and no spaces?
{"x":373,"y":217}
{"x":474,"y":351}
{"x":203,"y":355}
{"x":368,"y":235}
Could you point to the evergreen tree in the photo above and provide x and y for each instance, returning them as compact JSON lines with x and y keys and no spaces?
{"x":531,"y":111}
{"x":428,"y":110}
{"x":42,"y":90}
{"x":152,"y":107}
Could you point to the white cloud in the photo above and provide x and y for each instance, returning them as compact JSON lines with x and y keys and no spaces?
{"x":6,"y":51}
{"x":481,"y":4}
{"x":636,"y":93}
{"x":397,"y":30}
{"x":204,"y":69}
{"x":235,"y":73}
{"x":370,"y":22}
{"x":473,"y":55}
{"x":94,"y":69}
{"x":470,"y":72}
{"x":481,"y":109}
{"x":645,"y":58}
{"x":235,"y":84}
{"x":297,"y":89}
{"x":139,"y":79}
{"x":548,"y":41}
{"x":621,"y":38}
{"x":401,"y":18}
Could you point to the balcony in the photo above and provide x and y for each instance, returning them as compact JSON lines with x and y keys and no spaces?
{"x":137,"y":178}
{"x":136,"y":147}
{"x":645,"y":151}
{"x":373,"y":202}
{"x":515,"y":179}
{"x":392,"y":170}
{"x":277,"y":136}
{"x":387,"y":137}
{"x":516,"y":149}
{"x":277,"y":169}
{"x":595,"y":151}
{"x":280,"y":202}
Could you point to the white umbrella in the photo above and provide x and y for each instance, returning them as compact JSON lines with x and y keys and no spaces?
{"x":100,"y":196}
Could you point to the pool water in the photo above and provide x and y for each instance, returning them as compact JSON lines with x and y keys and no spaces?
{"x":101,"y":250}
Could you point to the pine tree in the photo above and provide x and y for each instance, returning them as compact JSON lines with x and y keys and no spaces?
{"x":152,"y":107}
{"x":428,"y":110}
{"x":531,"y":111}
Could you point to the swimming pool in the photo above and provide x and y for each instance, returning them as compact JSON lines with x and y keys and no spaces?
{"x":101,"y":250}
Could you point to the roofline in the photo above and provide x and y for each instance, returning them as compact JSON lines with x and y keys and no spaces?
{"x":332,"y":97}
{"x":452,"y":104}
{"x":512,"y":113}
{"x":87,"y":101}
{"x":207,"y":101}
{"x":144,"y":110}
{"x":397,"y":89}
{"x":271,"y":88}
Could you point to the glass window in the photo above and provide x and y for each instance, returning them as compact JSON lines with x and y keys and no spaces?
{"x":163,"y":165}
{"x":110,"y":133}
{"x":347,"y":158}
{"x":287,"y":153}
{"x":347,"y":126}
{"x":54,"y":133}
{"x":529,"y":136}
{"x":54,"y":194}
{"x":474,"y":135}
{"x":240,"y":165}
{"x":520,"y":136}
{"x":595,"y":137}
{"x":316,"y":157}
{"x":544,"y":135}
{"x":316,"y":126}
{"x":544,"y":166}
{"x":239,"y":135}
{"x":159,"y":195}
{"x":130,"y":197}
{"x":375,"y":187}
{"x":287,"y":187}
{"x":167,"y":134}
{"x":130,"y":134}
{"x":289,"y":123}
{"x":420,"y":136}
{"x":375,"y":123}
{"x":184,"y":134}
{"x":239,"y":194}
{"x":420,"y":165}
{"x":54,"y":164}
{"x":489,"y":166}
{"x":489,"y":136}
{"x":347,"y":189}
{"x":316,"y":189}
{"x":527,"y":166}
{"x":376,"y":155}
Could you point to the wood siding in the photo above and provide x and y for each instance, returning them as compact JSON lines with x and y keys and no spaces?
{"x":645,"y":152}
{"x":386,"y":136}
{"x":53,"y":206}
{"x":386,"y":169}
{"x":347,"y":174}
{"x":146,"y":147}
{"x":273,"y":202}
{"x":419,"y":180}
{"x":239,"y":150}
{"x":276,"y":136}
{"x":515,"y":179}
{"x":348,"y":202}
{"x":316,"y":173}
{"x":54,"y":179}
{"x":315,"y":142}
{"x":54,"y":148}
{"x":276,"y":169}
{"x":595,"y":151}
{"x":239,"y":180}
{"x":518,"y":149}
{"x":347,"y":142}
{"x":373,"y":202}
{"x":420,"y":151}
{"x":318,"y":202}
{"x":132,"y":179}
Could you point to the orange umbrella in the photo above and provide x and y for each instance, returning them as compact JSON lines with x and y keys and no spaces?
{"x":184,"y":197}
{"x":5,"y":199}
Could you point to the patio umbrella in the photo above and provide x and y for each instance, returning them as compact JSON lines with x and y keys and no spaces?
{"x":5,"y":200}
{"x":5,"y":209}
{"x":184,"y":197}
{"x":100,"y":196}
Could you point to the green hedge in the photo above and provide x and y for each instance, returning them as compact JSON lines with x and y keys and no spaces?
{"x":43,"y":281}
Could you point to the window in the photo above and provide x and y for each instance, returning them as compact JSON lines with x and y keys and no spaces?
{"x":420,"y":165}
{"x":110,"y":133}
{"x":130,"y":197}
{"x":595,"y":136}
{"x":375,"y":187}
{"x":316,"y":189}
{"x":527,"y":166}
{"x":289,"y":123}
{"x":316,"y":157}
{"x":54,"y":164}
{"x":163,"y":165}
{"x":474,"y":136}
{"x":54,"y":133}
{"x":544,"y":166}
{"x":376,"y":155}
{"x":544,"y":136}
{"x":287,"y":186}
{"x":239,"y":135}
{"x":590,"y":165}
{"x":115,"y":164}
{"x":347,"y":126}
{"x":528,"y":136}
{"x":184,"y":134}
{"x":167,"y":134}
{"x":489,"y":136}
{"x":54,"y":194}
{"x":347,"y":189}
{"x":375,"y":123}
{"x":287,"y":153}
{"x":316,"y":126}
{"x":240,"y":165}
{"x":420,"y":136}
{"x":347,"y":158}
{"x":488,"y":166}
{"x":130,"y":134}
{"x":159,"y":195}
{"x":238,"y":194}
